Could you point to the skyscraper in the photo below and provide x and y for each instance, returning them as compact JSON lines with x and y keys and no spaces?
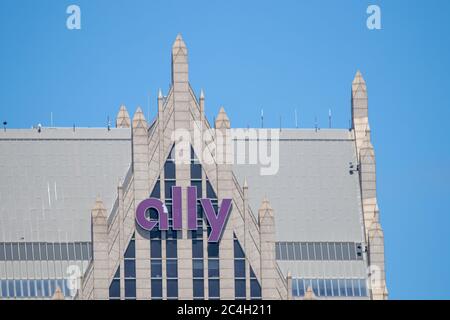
{"x":175,"y":208}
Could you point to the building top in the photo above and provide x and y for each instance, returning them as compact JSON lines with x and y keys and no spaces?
{"x":314,"y":194}
{"x":50,"y":180}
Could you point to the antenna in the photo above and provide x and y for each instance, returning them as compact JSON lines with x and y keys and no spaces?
{"x":262,"y":118}
{"x":109,"y":124}
{"x":315,"y":123}
{"x":74,"y":127}
{"x":51,"y":119}
{"x":296,"y":119}
{"x":280,"y":122}
{"x":329,"y":118}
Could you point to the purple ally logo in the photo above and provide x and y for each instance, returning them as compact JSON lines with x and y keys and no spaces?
{"x":216,"y":221}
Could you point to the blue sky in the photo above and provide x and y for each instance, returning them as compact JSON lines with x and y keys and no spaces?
{"x":248,"y":55}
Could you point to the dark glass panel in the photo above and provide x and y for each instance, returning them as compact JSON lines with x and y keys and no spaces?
{"x":238,"y":252}
{"x":239,"y":288}
{"x":199,"y":290}
{"x":130,"y":268}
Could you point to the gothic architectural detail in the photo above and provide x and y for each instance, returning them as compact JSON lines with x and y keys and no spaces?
{"x":366,"y":157}
{"x":123,"y":118}
{"x":309,"y":231}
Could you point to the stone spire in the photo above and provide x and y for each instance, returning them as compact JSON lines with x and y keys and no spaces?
{"x":123,"y":118}
{"x":309,"y":294}
{"x":245,"y":186}
{"x":98,"y":211}
{"x":202,"y":103}
{"x":160,"y":101}
{"x":222,"y":120}
{"x":265,"y":210}
{"x":139,"y":119}
{"x":359,"y":96}
{"x":100,"y":251}
{"x":360,"y":120}
{"x":179,"y":61}
{"x":266,"y":221}
{"x":58,"y":295}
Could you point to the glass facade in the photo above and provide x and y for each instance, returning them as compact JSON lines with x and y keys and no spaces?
{"x":330,"y":287}
{"x":240,"y":275}
{"x":32,"y":288}
{"x":53,"y":251}
{"x":334,"y":251}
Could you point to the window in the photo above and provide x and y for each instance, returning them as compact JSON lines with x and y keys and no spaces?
{"x":213,"y":271}
{"x":304,"y":250}
{"x":255,"y":287}
{"x":114,"y":290}
{"x":171,"y":248}
{"x":130,"y":289}
{"x":168,"y":188}
{"x":199,"y":290}
{"x":239,"y":290}
{"x":311,"y":254}
{"x":325,"y":255}
{"x":169,"y":170}
{"x":342,"y":289}
{"x":57,"y":251}
{"x":197,"y":266}
{"x":130,"y":268}
{"x":213,"y":268}
{"x":155,"y":248}
{"x":198,"y":186}
{"x":239,"y":271}
{"x":156,"y":288}
{"x":156,"y":268}
{"x":327,"y":251}
{"x":172,"y":271}
{"x":338,"y":247}
{"x":330,"y":287}
{"x":172,"y":288}
{"x":318,"y":251}
{"x":130,"y":253}
{"x":156,"y":192}
{"x":172,"y":268}
{"x":197,"y":248}
{"x":210,"y":191}
{"x":213,"y":250}
{"x":214,"y":289}
{"x":297,"y":250}
{"x":301,"y":287}
{"x":2,"y":252}
{"x":64,"y":251}
{"x":8,"y":251}
{"x":345,"y":251}
{"x":290,"y":247}
{"x":71,"y":250}
{"x":332,"y":251}
{"x":196,"y":171}
{"x":239,"y":268}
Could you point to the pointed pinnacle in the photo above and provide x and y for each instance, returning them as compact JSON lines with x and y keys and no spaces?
{"x":245,"y":183}
{"x":358,"y":78}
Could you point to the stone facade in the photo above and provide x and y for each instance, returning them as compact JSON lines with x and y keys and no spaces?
{"x":151,"y":145}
